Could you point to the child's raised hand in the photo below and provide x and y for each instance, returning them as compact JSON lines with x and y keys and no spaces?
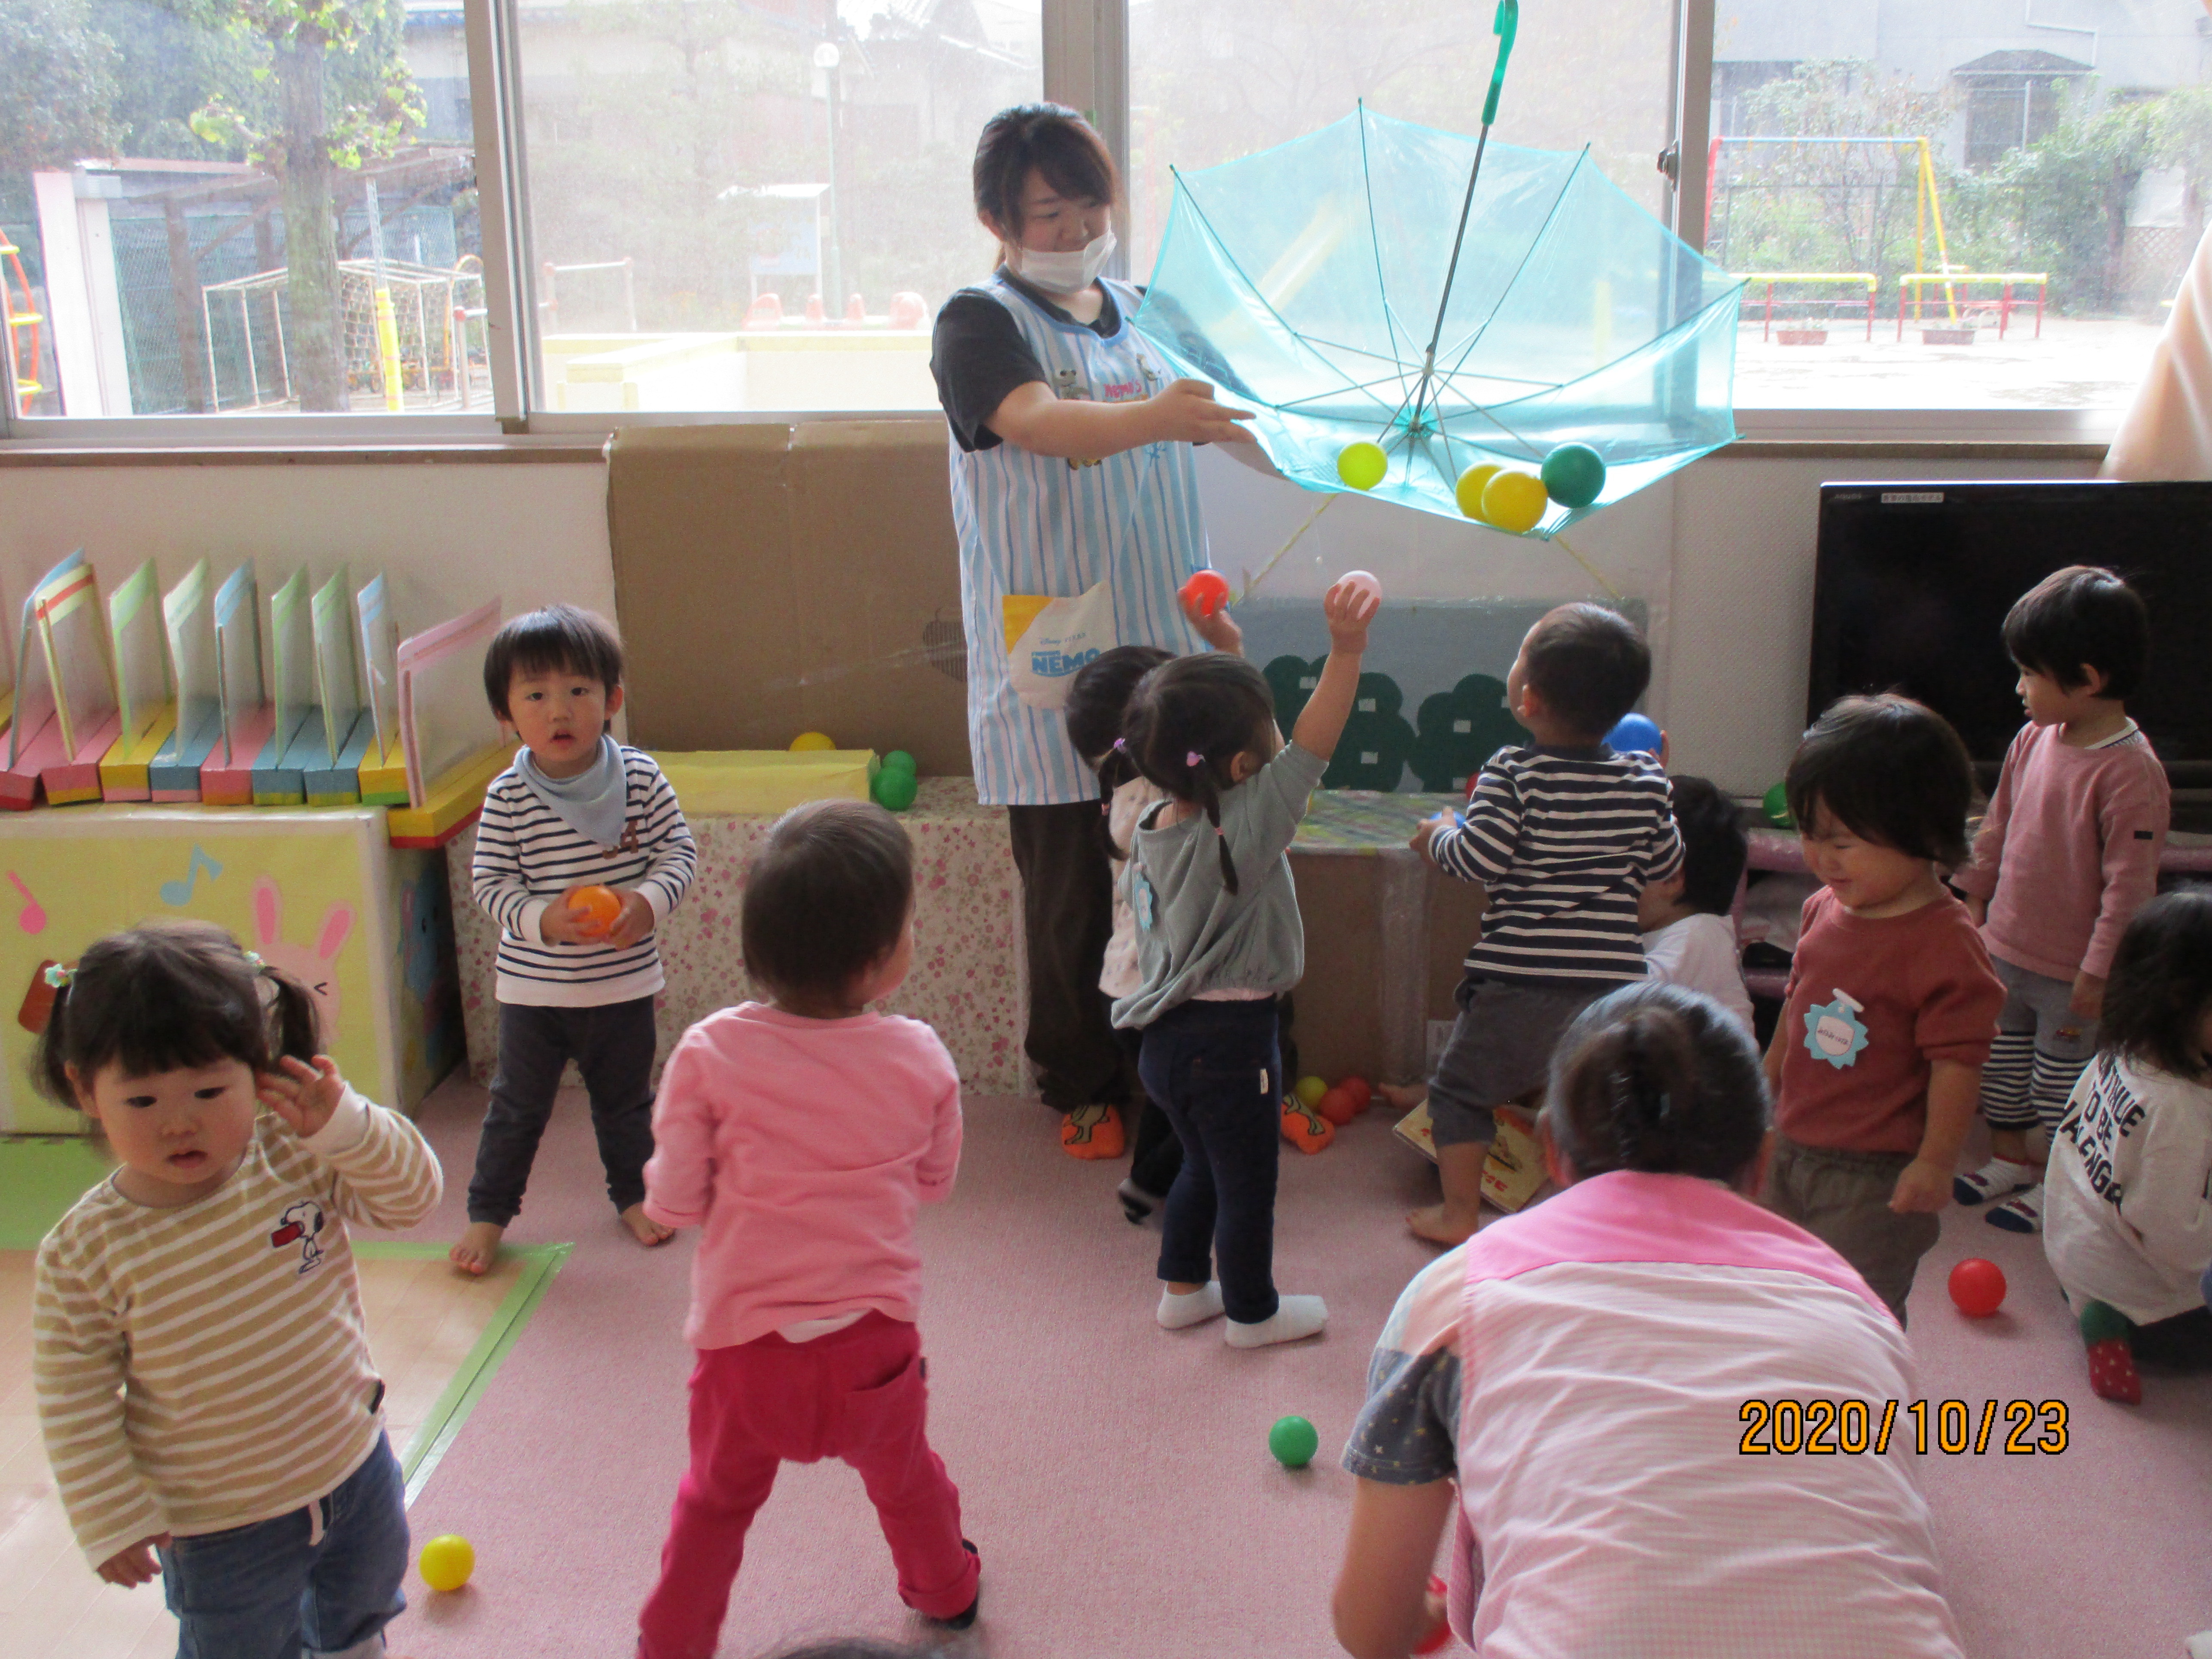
{"x":1923,"y":1188}
{"x":135,"y":1565}
{"x":1218,"y":630}
{"x":304,"y":1096}
{"x":1349,"y":607}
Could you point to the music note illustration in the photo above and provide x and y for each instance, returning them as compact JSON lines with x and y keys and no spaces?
{"x":32,"y":918}
{"x":181,"y":892}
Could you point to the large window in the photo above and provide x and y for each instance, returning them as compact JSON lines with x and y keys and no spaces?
{"x":1981,"y":211}
{"x":280,"y":214}
{"x":1212,"y":80}
{"x":743,"y":205}
{"x":271,"y":209}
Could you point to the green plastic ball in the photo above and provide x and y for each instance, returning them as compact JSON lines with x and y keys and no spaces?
{"x":1778,"y":807}
{"x":894,"y":789}
{"x":1573,"y":475}
{"x":1362,"y":465}
{"x":1293,"y":1441}
{"x":899,"y":761}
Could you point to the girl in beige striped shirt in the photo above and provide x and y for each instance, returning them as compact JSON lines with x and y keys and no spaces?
{"x":203,"y":1377}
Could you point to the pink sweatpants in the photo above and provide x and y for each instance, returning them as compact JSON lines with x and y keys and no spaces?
{"x":857,"y":1394}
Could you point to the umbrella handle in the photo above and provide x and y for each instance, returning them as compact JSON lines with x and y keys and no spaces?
{"x":1506,"y":25}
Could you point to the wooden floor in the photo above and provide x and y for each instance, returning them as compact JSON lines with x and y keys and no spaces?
{"x":424,"y":1319}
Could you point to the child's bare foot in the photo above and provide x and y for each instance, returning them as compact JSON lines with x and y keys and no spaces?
{"x":478,"y":1248}
{"x":648,"y":1231}
{"x":1442,"y":1224}
{"x":1403,"y":1096}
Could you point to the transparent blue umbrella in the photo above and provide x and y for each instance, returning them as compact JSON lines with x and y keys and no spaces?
{"x":1455,"y":303}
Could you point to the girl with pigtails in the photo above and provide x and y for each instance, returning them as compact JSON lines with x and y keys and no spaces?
{"x":1219,"y":938}
{"x":204,"y":1382}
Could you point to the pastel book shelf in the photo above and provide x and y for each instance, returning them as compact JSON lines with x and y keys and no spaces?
{"x":248,"y":717}
{"x":145,"y":688}
{"x":173,"y":775}
{"x":451,"y":745}
{"x":65,"y":717}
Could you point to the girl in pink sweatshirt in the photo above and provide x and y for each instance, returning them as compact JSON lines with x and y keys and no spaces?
{"x":803,"y":1134}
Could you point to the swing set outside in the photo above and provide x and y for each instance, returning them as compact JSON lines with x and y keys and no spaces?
{"x":1928,"y":211}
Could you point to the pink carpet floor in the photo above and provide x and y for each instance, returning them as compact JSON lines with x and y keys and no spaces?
{"x":1116,"y":1478}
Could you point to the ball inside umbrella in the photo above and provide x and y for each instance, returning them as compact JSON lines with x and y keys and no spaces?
{"x":1574,"y":474}
{"x":1471,"y":483}
{"x":1362,"y":465}
{"x":1515,"y":501}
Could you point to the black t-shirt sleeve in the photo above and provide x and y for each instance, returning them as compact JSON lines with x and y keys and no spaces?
{"x":978,"y":356}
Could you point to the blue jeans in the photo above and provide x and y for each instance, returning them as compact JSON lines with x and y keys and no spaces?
{"x":1214,"y":1068}
{"x":322,"y":1584}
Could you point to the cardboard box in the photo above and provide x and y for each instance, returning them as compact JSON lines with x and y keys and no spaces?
{"x":772,"y":579}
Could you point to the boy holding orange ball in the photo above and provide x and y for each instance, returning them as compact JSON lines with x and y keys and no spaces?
{"x":581,"y":852}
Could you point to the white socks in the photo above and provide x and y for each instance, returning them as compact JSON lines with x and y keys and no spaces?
{"x":1999,"y":1178}
{"x":1180,"y":1312}
{"x":1297,"y":1317}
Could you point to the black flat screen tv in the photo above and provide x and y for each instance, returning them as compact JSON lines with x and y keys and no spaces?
{"x":1912,"y":582}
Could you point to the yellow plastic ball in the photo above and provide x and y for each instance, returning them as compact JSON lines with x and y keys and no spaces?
{"x":1362,"y":465}
{"x":446,"y":1562}
{"x":808,"y":741}
{"x":1472,"y":483}
{"x":1309,"y":1090}
{"x":1515,"y":501}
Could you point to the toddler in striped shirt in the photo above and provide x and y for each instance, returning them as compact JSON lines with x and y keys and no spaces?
{"x":1563,"y":834}
{"x":576,"y":809}
{"x":205,"y":1383}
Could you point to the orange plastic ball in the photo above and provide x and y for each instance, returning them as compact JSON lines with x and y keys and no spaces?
{"x":602,"y":906}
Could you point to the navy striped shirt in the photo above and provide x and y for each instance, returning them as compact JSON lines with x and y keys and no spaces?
{"x":1565,"y":840}
{"x":527,"y":856}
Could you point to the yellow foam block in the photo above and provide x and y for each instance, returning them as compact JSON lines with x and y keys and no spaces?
{"x":735,"y":782}
{"x":123,"y":769}
{"x":453,"y":800}
{"x":384,"y":785}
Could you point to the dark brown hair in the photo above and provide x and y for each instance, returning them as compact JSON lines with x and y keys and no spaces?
{"x":826,"y":898}
{"x":1891,"y":771}
{"x":558,"y":640}
{"x":1589,"y":666}
{"x":1050,"y":139}
{"x":1096,"y":703}
{"x":1187,"y":720}
{"x":2081,"y":616}
{"x":1657,"y":1078}
{"x":1714,"y":845}
{"x":2161,"y":984}
{"x":171,"y":996}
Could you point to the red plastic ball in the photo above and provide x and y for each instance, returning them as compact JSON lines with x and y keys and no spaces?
{"x":1978,"y":1287}
{"x":1362,"y":1092}
{"x":1338,"y":1106}
{"x":1205,"y":593}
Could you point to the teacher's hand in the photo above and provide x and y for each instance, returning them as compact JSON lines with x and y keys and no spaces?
{"x":1184,"y":411}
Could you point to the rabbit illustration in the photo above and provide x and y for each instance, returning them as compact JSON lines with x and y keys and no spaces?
{"x":315,"y":969}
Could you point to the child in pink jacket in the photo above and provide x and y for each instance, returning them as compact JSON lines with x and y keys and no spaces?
{"x":803,"y":1134}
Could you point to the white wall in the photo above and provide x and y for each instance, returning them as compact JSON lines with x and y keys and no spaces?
{"x":1722,"y":553}
{"x":447,"y":535}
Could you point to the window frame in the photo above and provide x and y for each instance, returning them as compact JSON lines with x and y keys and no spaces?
{"x":1085,"y":65}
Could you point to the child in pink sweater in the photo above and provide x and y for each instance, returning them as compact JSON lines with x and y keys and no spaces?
{"x":803,"y":1134}
{"x":2067,"y":855}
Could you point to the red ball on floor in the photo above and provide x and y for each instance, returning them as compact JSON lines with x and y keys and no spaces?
{"x":1978,"y":1287}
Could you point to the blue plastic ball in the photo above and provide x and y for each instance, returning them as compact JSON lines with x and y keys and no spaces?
{"x":1637,"y":734}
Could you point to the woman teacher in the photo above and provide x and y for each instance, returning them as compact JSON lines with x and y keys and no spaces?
{"x":1076,"y":500}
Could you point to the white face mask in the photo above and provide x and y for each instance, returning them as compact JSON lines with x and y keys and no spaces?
{"x":1067,"y":273}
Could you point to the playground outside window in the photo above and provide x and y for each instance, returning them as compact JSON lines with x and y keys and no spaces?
{"x":724,"y":207}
